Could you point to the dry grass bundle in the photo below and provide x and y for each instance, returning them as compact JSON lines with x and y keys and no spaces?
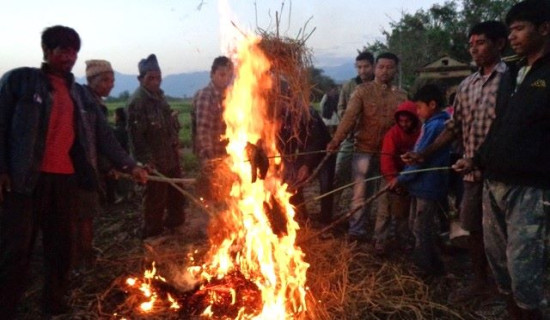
{"x":291,"y":62}
{"x":353,"y":284}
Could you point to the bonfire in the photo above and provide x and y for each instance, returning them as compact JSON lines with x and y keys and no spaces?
{"x":254,"y":269}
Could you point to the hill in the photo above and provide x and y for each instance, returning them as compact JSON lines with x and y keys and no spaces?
{"x":185,"y":85}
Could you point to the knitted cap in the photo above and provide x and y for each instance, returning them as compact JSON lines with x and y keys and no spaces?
{"x":148,"y":64}
{"x":95,"y":67}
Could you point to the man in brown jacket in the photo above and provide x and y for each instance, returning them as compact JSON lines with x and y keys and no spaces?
{"x":373,"y":104}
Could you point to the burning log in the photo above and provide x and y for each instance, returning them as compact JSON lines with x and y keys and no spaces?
{"x":224,"y":298}
{"x":276,"y":216}
{"x":228,"y":297}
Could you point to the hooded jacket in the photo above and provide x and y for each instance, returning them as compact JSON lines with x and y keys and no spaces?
{"x":431,"y":185}
{"x":396,"y":142}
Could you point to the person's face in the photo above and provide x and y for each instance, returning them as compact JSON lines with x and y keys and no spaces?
{"x":222,"y":77}
{"x":151,"y":81}
{"x":405,"y":122}
{"x":385,"y":70}
{"x":425,"y":110}
{"x":484,"y":51}
{"x":60,"y":60}
{"x":364,"y":70}
{"x":102,"y":84}
{"x":525,"y":38}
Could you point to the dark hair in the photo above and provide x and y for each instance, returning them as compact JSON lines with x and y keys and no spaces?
{"x":388,"y":55}
{"x":60,"y":36}
{"x":493,"y":30}
{"x":431,"y":92}
{"x":120,"y":115}
{"x":365,"y":55}
{"x":534,"y":11}
{"x":221,"y":61}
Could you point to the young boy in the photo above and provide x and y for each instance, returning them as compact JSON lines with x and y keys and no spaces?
{"x":428,"y":189}
{"x":397,"y":141}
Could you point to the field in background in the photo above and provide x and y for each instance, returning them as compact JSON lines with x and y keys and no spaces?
{"x":189,"y":161}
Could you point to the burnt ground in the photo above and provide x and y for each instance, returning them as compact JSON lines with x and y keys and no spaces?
{"x":122,"y":253}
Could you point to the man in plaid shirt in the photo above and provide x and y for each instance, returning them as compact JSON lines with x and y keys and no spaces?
{"x":474,"y":112}
{"x":207,"y":124}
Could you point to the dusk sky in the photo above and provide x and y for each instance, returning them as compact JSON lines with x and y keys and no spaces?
{"x":185,"y":34}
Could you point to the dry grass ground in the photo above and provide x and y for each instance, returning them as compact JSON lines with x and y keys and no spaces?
{"x":346,"y":281}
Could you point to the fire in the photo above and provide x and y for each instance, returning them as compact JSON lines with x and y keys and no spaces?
{"x":254,"y":269}
{"x":271,"y":261}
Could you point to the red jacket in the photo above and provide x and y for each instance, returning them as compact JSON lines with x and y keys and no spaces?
{"x":396,"y":142}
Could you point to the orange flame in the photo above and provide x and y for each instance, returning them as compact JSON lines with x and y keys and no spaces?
{"x":273,"y":262}
{"x":269,"y":259}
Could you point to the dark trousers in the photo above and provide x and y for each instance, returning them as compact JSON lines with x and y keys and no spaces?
{"x":158,"y":198}
{"x":50,"y":208}
{"x":326,"y":184}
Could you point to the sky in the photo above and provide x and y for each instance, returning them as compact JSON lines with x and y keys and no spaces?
{"x":186,"y":35}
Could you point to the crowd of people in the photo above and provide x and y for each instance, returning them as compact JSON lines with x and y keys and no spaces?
{"x":58,"y":154}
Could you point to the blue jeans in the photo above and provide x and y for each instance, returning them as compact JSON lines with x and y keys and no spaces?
{"x":516,"y":228}
{"x":364,"y":165}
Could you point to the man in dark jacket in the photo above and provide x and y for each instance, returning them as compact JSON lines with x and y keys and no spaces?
{"x":153,"y":130}
{"x":515,"y":158}
{"x":313,"y":136}
{"x":51,"y":131}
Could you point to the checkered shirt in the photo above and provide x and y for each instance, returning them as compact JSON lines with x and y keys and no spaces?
{"x":210,"y":127}
{"x":474,"y":109}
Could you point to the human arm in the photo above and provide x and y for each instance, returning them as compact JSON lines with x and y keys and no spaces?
{"x":389,"y":157}
{"x":442,"y":140}
{"x":203,"y":106}
{"x":343,"y":98}
{"x":348,"y":121}
{"x":7,"y":102}
{"x":138,"y":127}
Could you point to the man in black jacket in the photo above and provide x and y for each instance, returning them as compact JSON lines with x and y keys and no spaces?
{"x":313,"y":136}
{"x":515,"y":159}
{"x":51,"y":131}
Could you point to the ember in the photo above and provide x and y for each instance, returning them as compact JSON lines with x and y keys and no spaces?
{"x":229,"y":297}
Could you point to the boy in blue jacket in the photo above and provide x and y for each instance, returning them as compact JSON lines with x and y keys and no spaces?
{"x":428,"y":189}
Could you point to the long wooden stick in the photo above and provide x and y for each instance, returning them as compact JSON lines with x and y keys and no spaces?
{"x":346,"y":216}
{"x":313,"y":174}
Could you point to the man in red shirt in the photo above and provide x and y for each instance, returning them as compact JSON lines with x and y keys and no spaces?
{"x":51,"y":131}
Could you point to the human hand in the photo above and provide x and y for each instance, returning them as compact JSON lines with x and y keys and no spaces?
{"x":412,"y":158}
{"x":5,"y":185}
{"x":332,"y":146}
{"x":394,"y":184}
{"x":140,"y":174}
{"x":303,"y":174}
{"x":464,"y":165}
{"x":113,"y":174}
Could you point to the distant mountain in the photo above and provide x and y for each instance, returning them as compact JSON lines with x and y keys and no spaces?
{"x":186,"y":84}
{"x":340,"y":73}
